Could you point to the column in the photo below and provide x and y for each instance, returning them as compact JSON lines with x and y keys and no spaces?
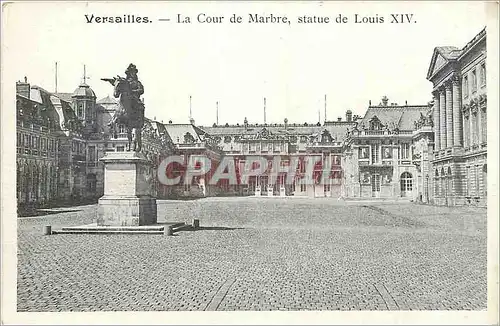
{"x":449,"y":115}
{"x":437,"y":143}
{"x":457,"y":113}
{"x":442,"y":119}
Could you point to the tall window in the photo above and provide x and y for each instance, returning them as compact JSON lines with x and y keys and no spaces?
{"x":483,"y":74}
{"x":474,"y":81}
{"x":375,"y":154}
{"x":405,"y":151}
{"x":264,"y":146}
{"x":466,"y":131}
{"x":485,"y":181}
{"x":468,"y":177}
{"x":474,"y":128}
{"x":484,"y":124}
{"x":465,"y":86}
{"x":91,"y":150}
{"x":80,"y":110}
{"x":477,"y":179}
{"x":375,"y":182}
{"x":436,"y":183}
{"x":406,"y":182}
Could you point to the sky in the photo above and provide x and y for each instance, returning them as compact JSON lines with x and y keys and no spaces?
{"x":293,"y":66}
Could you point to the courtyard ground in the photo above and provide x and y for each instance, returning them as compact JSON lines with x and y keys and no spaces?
{"x":261,"y":254}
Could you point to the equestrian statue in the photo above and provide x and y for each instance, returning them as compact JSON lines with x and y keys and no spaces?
{"x":130,"y":112}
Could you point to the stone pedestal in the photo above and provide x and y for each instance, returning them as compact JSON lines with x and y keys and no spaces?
{"x":257,"y":191}
{"x":128,"y":191}
{"x":270,"y":191}
{"x":282,"y":192}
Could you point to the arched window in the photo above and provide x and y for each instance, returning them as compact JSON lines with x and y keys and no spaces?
{"x":406,"y":181}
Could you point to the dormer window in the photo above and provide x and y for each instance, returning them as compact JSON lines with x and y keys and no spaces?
{"x":227,"y":139}
{"x":188,"y":138}
{"x":375,"y":124}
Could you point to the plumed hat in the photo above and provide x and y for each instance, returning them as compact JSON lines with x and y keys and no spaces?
{"x":131,"y":68}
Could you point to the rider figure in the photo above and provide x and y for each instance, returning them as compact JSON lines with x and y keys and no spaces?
{"x":137,"y":90}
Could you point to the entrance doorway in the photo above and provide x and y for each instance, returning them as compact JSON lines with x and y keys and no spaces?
{"x":406,"y":181}
{"x":375,"y":185}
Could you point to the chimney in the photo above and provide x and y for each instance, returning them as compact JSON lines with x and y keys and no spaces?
{"x":339,"y":119}
{"x":191,"y":121}
{"x":23,"y":88}
{"x":348,"y":115}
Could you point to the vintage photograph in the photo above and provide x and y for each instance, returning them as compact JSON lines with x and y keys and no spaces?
{"x":172,"y":156}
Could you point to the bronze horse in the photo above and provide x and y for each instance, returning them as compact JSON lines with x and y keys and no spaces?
{"x":130,"y":113}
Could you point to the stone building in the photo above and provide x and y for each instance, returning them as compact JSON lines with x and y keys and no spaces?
{"x":290,"y":142}
{"x":433,"y":153}
{"x":38,"y":143}
{"x":459,"y":164}
{"x":380,"y":159}
{"x":60,"y":138}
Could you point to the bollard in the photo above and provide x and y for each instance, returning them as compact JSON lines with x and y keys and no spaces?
{"x":168,"y":230}
{"x":47,"y":230}
{"x":196,"y":223}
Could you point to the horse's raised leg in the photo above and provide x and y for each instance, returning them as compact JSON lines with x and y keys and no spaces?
{"x":129,"y":137}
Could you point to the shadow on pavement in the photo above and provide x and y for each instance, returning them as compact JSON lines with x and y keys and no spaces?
{"x":43,"y":212}
{"x":212,"y":228}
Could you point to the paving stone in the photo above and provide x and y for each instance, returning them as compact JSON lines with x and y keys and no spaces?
{"x":297,"y":254}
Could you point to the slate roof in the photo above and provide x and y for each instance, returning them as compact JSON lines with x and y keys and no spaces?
{"x":402,"y":117}
{"x":107,"y":100}
{"x":177,"y":132}
{"x":64,"y":96}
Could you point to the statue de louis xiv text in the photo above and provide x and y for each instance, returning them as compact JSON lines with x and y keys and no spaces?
{"x":253,"y":18}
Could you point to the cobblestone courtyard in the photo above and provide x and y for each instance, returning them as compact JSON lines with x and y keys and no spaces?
{"x":261,"y":254}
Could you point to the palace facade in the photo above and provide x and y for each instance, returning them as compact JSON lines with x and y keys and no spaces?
{"x":433,"y":153}
{"x":459,"y":160}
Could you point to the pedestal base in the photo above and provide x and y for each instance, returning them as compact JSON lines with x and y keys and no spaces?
{"x":126,"y":211}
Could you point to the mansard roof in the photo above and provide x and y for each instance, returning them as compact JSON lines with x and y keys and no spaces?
{"x":64,"y":96}
{"x":178,"y":131}
{"x":107,"y":100}
{"x":395,"y":116}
